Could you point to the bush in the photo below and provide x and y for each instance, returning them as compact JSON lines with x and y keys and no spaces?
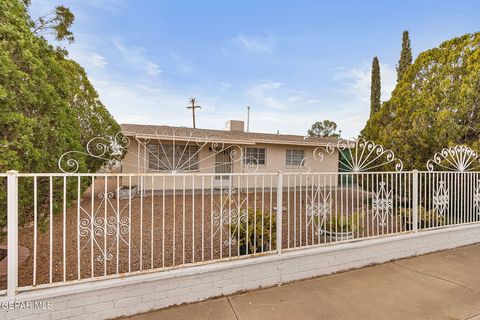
{"x":343,"y":223}
{"x":425,"y":218}
{"x":250,"y":232}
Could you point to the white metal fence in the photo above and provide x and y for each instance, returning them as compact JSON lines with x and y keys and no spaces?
{"x":71,"y":227}
{"x":84,"y":227}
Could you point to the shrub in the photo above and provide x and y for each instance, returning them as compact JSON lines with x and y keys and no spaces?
{"x":343,"y":223}
{"x":255,"y":231}
{"x":426,"y":218}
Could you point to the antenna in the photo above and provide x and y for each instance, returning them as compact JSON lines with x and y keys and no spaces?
{"x":248,"y":118}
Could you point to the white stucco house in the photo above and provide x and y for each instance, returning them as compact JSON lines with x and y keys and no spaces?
{"x":177,"y":150}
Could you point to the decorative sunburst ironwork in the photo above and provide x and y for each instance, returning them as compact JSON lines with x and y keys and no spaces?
{"x":317,"y":207}
{"x":457,"y":158}
{"x":95,"y":227}
{"x":360,"y":155}
{"x":165,"y":149}
{"x":227,"y":214}
{"x":476,"y":199}
{"x":441,"y":199}
{"x":382,"y":204}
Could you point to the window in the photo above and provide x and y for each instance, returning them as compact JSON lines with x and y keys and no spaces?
{"x":294,"y":157}
{"x":255,"y":156}
{"x":163,"y":157}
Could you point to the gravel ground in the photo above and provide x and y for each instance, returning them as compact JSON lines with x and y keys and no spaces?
{"x":168,"y":231}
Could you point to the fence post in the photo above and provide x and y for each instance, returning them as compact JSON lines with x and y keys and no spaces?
{"x":279,"y":211}
{"x":12,"y":233}
{"x":415,"y":201}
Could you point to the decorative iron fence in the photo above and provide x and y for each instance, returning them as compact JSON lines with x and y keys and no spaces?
{"x":87,"y":227}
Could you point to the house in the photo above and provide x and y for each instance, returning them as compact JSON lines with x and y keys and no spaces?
{"x":220,"y":153}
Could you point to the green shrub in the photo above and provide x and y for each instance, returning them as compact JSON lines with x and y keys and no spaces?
{"x":342,"y":223}
{"x":250,"y":232}
{"x":426,"y":218}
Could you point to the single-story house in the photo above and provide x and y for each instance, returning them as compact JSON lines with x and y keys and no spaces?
{"x":177,"y":150}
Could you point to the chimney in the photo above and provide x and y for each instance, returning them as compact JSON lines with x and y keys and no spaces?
{"x":235,"y":125}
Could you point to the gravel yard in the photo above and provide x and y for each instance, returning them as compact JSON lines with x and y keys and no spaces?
{"x":171,"y":230}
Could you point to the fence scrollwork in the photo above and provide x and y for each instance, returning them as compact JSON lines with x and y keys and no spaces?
{"x":360,"y":155}
{"x":172,"y":154}
{"x":98,"y":148}
{"x":457,"y":158}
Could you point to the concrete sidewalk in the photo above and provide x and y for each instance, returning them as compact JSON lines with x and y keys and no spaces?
{"x":443,"y":285}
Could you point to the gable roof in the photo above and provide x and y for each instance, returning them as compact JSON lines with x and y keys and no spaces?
{"x":221,"y":136}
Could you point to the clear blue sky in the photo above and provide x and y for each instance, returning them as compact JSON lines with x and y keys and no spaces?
{"x":293,"y":62}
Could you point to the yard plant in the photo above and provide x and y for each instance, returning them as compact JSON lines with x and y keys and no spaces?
{"x":339,"y":223}
{"x":256,"y":233}
{"x":426,"y":218}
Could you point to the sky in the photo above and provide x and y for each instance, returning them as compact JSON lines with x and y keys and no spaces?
{"x":293,"y":62}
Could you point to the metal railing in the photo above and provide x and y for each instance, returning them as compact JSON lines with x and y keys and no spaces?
{"x":84,"y":227}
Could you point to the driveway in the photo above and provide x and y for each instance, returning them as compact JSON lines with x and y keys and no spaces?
{"x":442,"y":285}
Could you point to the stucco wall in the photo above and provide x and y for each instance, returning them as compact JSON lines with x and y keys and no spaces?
{"x":136,"y":161}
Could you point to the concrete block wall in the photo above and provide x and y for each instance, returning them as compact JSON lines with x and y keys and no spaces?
{"x":106,"y":299}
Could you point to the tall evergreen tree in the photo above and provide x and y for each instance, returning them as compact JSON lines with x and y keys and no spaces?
{"x":48,"y":106}
{"x":405,"y":56}
{"x":434,"y":106}
{"x":375,"y":87}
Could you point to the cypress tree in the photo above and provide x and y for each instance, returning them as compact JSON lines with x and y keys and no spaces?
{"x":375,"y":87}
{"x":405,"y":56}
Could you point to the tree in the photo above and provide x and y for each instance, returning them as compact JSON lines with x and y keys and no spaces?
{"x":435,"y":105}
{"x":57,"y":23}
{"x":48,"y":105}
{"x":325,"y":128}
{"x":375,"y":87}
{"x":405,"y":56}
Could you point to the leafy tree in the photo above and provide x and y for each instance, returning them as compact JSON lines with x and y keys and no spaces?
{"x":48,"y":106}
{"x":405,"y":56}
{"x":436,"y":104}
{"x":57,"y":22}
{"x":375,"y":87}
{"x":324,"y":128}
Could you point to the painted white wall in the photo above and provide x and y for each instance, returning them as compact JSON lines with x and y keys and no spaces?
{"x":140,"y":293}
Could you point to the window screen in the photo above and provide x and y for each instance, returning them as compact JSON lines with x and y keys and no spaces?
{"x":294,"y":157}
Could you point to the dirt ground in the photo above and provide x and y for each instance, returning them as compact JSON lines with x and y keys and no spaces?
{"x":168,"y":230}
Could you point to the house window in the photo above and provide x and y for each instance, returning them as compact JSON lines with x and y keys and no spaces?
{"x":164,"y":157}
{"x":294,"y":157}
{"x":255,"y":156}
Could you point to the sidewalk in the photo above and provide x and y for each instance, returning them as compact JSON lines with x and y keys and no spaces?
{"x":443,"y":285}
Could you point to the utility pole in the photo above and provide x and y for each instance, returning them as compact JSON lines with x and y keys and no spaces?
{"x":193,"y":107}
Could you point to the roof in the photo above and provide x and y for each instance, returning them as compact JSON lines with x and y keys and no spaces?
{"x":221,"y":136}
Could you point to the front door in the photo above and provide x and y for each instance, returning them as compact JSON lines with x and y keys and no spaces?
{"x":223,"y":164}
